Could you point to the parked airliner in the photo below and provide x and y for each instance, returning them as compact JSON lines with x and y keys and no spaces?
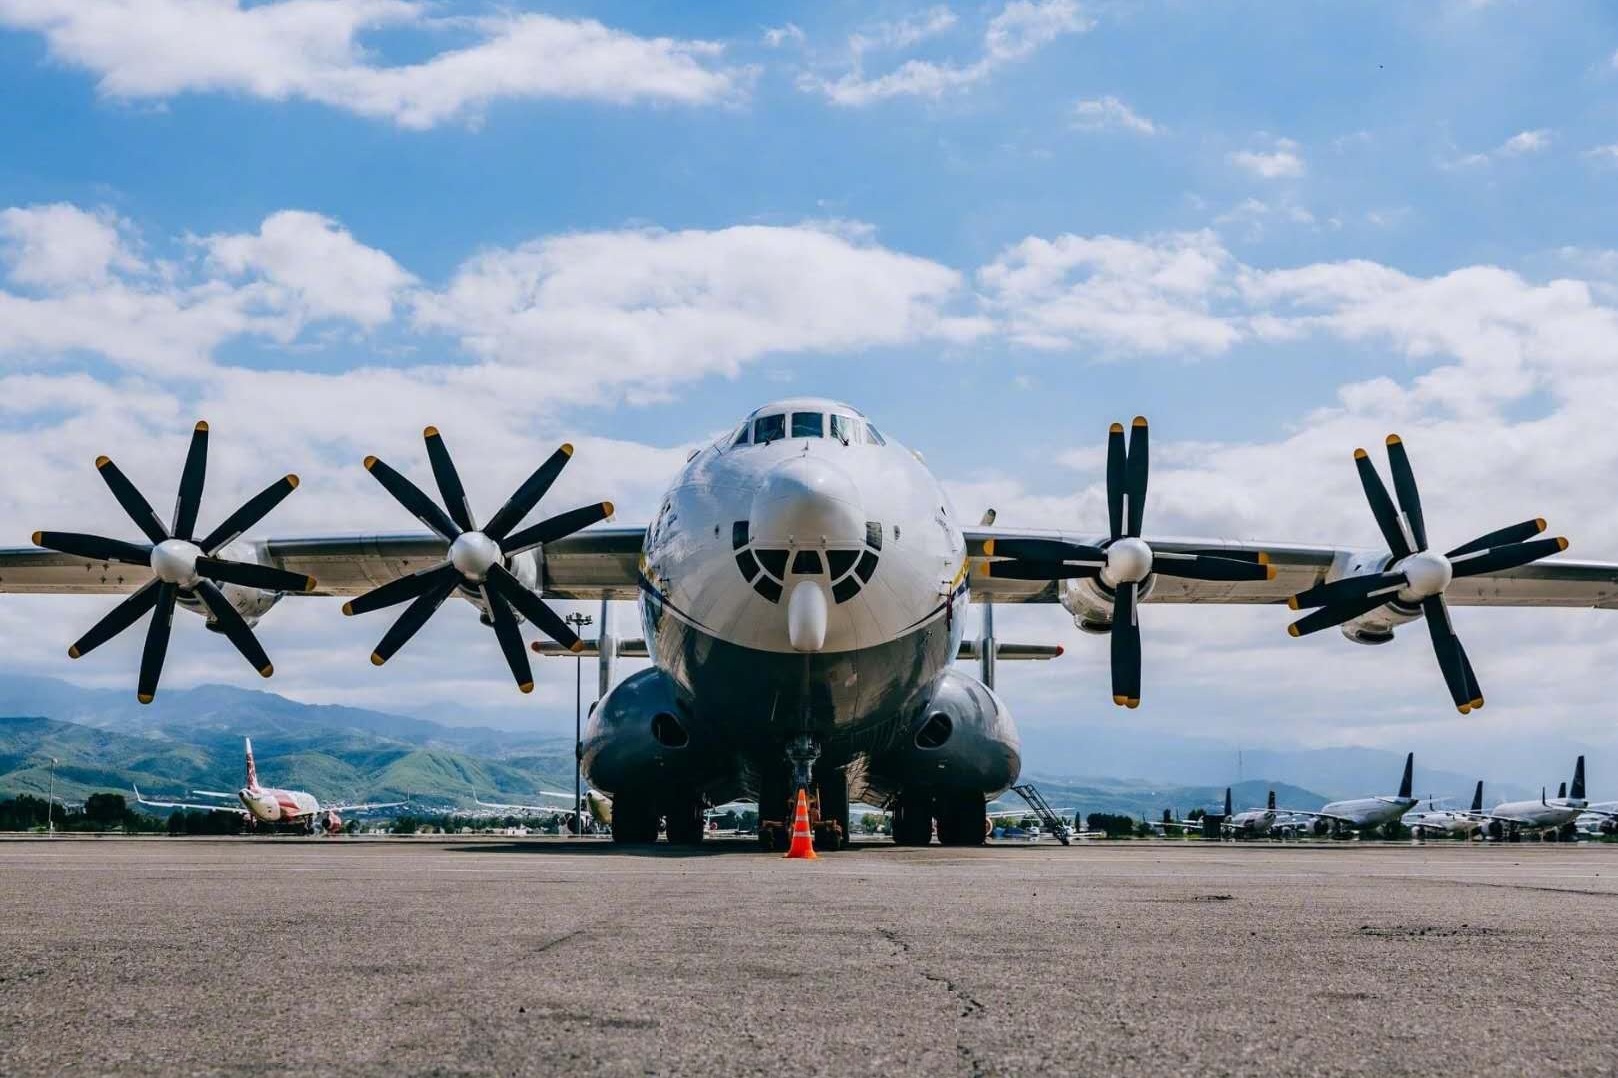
{"x":1434,"y":820}
{"x":1548,"y":817}
{"x":803,"y":588}
{"x":1364,"y":813}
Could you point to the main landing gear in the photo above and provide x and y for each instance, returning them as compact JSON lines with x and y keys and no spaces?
{"x":960,"y":816}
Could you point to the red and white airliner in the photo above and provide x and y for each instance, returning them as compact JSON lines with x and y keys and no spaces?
{"x":285,"y":810}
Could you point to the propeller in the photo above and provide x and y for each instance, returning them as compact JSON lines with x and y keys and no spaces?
{"x":478,"y":557}
{"x":183,"y":567}
{"x":1121,"y":564}
{"x":1417,"y":576}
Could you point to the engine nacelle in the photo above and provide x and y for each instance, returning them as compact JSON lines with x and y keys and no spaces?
{"x":1377,"y":626}
{"x":962,"y":738}
{"x":640,"y":735}
{"x":525,"y":567}
{"x":251,"y":603}
{"x":1090,"y":602}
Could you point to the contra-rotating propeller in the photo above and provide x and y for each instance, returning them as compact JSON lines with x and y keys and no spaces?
{"x":1417,"y":576}
{"x":1121,"y":564}
{"x":181,"y":565}
{"x":477,"y":557}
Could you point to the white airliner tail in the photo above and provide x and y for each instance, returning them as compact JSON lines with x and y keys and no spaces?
{"x":252,"y":771}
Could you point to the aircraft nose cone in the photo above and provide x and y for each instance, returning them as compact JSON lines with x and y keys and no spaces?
{"x":806,"y":500}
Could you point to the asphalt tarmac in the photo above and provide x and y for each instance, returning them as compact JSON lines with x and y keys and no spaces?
{"x":269,"y":956}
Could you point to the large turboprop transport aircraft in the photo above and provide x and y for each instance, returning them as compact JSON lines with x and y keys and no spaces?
{"x":282,"y":810}
{"x":1364,"y":813}
{"x":802,"y":589}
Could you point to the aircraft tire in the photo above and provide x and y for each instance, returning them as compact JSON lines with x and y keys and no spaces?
{"x":634,"y":821}
{"x":912,"y":820}
{"x":687,"y":825}
{"x":961,"y":819}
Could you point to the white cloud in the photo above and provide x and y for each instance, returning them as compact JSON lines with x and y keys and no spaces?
{"x":1280,"y":161}
{"x":61,"y":246}
{"x":1602,"y":155}
{"x":776,"y":36}
{"x":1521,"y":144}
{"x":1110,"y":114}
{"x":1253,"y":216}
{"x":1020,"y":28}
{"x":903,"y":33}
{"x":296,"y":49}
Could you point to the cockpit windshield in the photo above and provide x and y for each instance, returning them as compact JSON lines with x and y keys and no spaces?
{"x":769,"y":428}
{"x":808,"y":425}
{"x":842,"y":428}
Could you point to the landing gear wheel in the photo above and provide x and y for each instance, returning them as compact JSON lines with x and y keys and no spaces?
{"x":634,"y":821}
{"x":831,"y":832}
{"x":961,"y":819}
{"x":686,"y":822}
{"x":912,"y":820}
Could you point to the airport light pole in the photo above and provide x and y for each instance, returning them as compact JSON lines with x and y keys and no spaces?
{"x":578,"y":621}
{"x":50,"y":803}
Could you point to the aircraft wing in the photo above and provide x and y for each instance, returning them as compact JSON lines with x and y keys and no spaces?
{"x":237,"y":808}
{"x":1554,"y":582}
{"x":596,"y":563}
{"x":371,"y":807}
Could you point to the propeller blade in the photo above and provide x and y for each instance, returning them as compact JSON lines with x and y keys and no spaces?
{"x":410,"y":496}
{"x":1336,"y":614}
{"x":1404,"y":485}
{"x":395,"y":592}
{"x":510,"y":637}
{"x":230,"y":622}
{"x":157,"y":643}
{"x":1117,"y":459}
{"x":138,"y":508}
{"x":1500,"y":558}
{"x":1056,"y":550}
{"x":95,"y":547}
{"x":414,"y":617}
{"x":252,"y":511}
{"x":116,"y":621}
{"x":557,"y":527}
{"x":1347,"y":589}
{"x":1136,"y":470}
{"x":1387,"y":517}
{"x":449,"y":480}
{"x":535,"y":609}
{"x":1451,"y":656}
{"x":1040,"y":570}
{"x":528,"y":495}
{"x":1472,"y":687}
{"x":190,"y":497}
{"x":248,"y":575}
{"x":1515,"y":533}
{"x":1204,"y":567}
{"x":1125,"y":647}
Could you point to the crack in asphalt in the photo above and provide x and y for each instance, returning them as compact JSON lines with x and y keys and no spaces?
{"x":969,"y":1005}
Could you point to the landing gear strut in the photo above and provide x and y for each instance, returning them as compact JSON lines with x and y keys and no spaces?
{"x":634,"y":820}
{"x":686,"y":822}
{"x":961,"y":819}
{"x":912,"y":820}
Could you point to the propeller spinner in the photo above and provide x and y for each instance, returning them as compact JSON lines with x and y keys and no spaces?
{"x":477,"y":557}
{"x":181,"y":565}
{"x":1121,"y":565}
{"x":1417,"y":576}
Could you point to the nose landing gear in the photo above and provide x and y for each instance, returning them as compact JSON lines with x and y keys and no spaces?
{"x":828,"y":799}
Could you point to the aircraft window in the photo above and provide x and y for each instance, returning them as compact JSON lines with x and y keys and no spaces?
{"x":874,"y":435}
{"x":843,"y":429}
{"x":808,"y":425}
{"x":806,"y":561}
{"x":769,"y":428}
{"x":841,"y":561}
{"x":741,"y":436}
{"x":774,"y":562}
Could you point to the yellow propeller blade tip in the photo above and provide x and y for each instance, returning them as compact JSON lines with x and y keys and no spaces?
{"x":1561,"y":542}
{"x":348,"y":610}
{"x":566,"y":449}
{"x":988,"y":546}
{"x":429,"y":432}
{"x":1121,"y":701}
{"x":73,"y":652}
{"x":37,"y":537}
{"x":1539,"y":524}
{"x":292,"y":481}
{"x":1292,"y":602}
{"x":144,"y":697}
{"x":1478,"y":703}
{"x":526,"y":687}
{"x":1393,"y":439}
{"x":310,"y":583}
{"x":1263,"y":558}
{"x":1360,"y":454}
{"x":202,"y":426}
{"x":1293,"y":630}
{"x":269,"y":668}
{"x":1116,"y":428}
{"x":1269,"y":572}
{"x":103,"y":460}
{"x":576,"y":647}
{"x":370,"y":462}
{"x":1464,"y":709}
{"x":608,"y":509}
{"x":1133,"y":702}
{"x":377,"y":660}
{"x":1140,"y":421}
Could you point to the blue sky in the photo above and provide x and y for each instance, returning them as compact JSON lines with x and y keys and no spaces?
{"x":1278,"y":230}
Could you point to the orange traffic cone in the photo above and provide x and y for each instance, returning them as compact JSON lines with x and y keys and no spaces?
{"x":803,"y":843}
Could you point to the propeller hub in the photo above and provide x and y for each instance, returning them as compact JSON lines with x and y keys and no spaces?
{"x":473,"y":554}
{"x":1129,"y":561}
{"x":174,"y":561}
{"x":1428,"y":573}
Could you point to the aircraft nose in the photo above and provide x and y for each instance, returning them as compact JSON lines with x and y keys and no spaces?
{"x":806,"y":501}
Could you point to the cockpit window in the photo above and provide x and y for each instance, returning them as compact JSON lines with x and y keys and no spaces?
{"x":769,"y":428}
{"x":843,"y":429}
{"x":874,"y":435}
{"x":808,"y":425}
{"x":741,"y":435}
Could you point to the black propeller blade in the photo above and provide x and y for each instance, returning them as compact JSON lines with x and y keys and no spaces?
{"x":477,"y":557}
{"x":1418,"y":574}
{"x":181,"y":568}
{"x":1124,"y":562}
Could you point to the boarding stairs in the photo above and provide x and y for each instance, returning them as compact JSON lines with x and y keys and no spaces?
{"x":1047,"y":815}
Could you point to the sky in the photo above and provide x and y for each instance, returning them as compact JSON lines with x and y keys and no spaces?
{"x":1279,"y":231}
